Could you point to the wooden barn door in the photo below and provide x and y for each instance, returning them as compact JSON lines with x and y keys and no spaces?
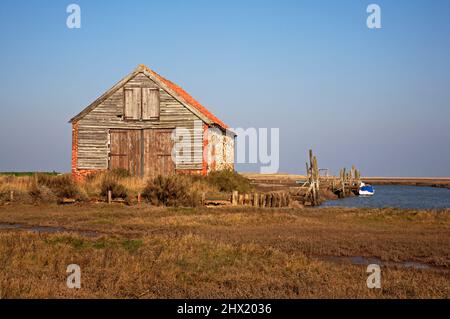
{"x":158,"y":146}
{"x":126,"y":151}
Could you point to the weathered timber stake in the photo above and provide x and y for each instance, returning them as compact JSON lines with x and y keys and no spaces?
{"x":255,"y":199}
{"x":11,"y":196}
{"x":139,"y":198}
{"x":203,"y":198}
{"x":313,"y":179}
{"x":283,"y":200}
{"x":316,"y":181}
{"x":344,"y":174}
{"x":274,"y":200}
{"x":109,"y":197}
{"x":288,"y":199}
{"x":352,"y":175}
{"x":263,"y":200}
{"x":234,"y":198}
{"x":241,"y":199}
{"x":246,"y":199}
{"x":269,"y":200}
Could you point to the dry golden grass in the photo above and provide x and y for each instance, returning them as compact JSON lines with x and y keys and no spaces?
{"x":144,"y":252}
{"x":91,"y":187}
{"x":15,"y":183}
{"x":158,"y":266}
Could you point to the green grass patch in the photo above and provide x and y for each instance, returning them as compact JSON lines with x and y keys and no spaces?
{"x":18,"y":174}
{"x":132,"y":245}
{"x":75,"y":242}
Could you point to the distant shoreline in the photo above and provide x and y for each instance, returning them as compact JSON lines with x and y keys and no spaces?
{"x":441,"y":182}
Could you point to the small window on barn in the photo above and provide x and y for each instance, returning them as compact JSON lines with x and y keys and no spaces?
{"x":150,"y":104}
{"x":133,"y":104}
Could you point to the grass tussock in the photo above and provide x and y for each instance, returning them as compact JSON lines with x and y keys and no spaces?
{"x":228,"y":181}
{"x":117,"y":189}
{"x":171,"y":191}
{"x":63,"y":186}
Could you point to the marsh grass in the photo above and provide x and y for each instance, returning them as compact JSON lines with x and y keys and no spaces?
{"x":183,"y":190}
{"x":172,"y":191}
{"x":192,"y":266}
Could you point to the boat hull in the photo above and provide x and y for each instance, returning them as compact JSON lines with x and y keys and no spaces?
{"x":366,"y":190}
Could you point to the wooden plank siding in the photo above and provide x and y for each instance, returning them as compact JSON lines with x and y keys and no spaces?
{"x":94,"y":127}
{"x":157,"y":152}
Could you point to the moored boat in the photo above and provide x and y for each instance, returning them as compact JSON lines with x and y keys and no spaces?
{"x":366,"y":189}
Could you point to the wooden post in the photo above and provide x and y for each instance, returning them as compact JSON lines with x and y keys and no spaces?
{"x":11,"y":196}
{"x":203,"y":198}
{"x":269,"y":200}
{"x":343,"y":182}
{"x":139,"y":198}
{"x":316,"y":181}
{"x":285,"y":200}
{"x":352,"y":175}
{"x":241,"y":199}
{"x":246,"y":199}
{"x":280,"y":200}
{"x":255,"y":199}
{"x":109,"y":197}
{"x":234,"y":198}
{"x":277,"y":200}
{"x":314,"y":177}
{"x":263,"y":200}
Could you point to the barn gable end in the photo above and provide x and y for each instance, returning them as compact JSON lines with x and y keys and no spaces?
{"x":91,"y":149}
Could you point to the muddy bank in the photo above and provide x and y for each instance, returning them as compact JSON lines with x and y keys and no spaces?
{"x":48,"y":229}
{"x":365,"y":261}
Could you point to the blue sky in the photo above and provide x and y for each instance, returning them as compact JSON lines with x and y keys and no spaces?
{"x":378,"y":99}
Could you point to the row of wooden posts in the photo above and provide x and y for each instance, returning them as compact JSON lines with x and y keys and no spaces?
{"x":348,"y":182}
{"x":110,"y":199}
{"x":276,"y":199}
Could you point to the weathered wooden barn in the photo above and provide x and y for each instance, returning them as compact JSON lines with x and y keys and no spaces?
{"x":149,"y":126}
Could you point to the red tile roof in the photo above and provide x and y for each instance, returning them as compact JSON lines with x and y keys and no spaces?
{"x":187,"y":98}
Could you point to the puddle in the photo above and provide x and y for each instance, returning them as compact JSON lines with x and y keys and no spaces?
{"x":359,"y":260}
{"x":48,"y":229}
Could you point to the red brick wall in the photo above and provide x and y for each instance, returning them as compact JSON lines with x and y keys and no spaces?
{"x":74,"y":149}
{"x":190,"y":171}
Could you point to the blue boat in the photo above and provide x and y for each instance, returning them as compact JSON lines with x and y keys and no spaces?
{"x":366,"y":190}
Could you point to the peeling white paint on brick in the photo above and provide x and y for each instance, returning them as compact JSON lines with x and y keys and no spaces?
{"x":220,"y":150}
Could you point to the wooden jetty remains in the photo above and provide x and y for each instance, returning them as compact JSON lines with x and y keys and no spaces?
{"x":310,"y":189}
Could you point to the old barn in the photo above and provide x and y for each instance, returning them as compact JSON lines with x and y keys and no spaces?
{"x":149,"y":126}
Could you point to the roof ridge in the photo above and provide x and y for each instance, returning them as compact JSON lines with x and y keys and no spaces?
{"x":185,"y":96}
